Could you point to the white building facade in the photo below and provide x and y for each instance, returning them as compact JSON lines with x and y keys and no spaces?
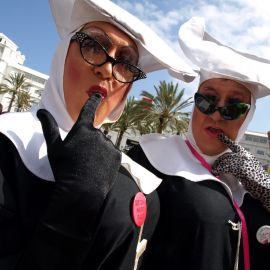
{"x":257,"y":143}
{"x":11,"y":62}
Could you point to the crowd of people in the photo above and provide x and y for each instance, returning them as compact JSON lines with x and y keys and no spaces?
{"x":69,"y":199}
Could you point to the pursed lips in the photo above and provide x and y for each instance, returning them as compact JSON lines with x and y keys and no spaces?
{"x":97,"y":89}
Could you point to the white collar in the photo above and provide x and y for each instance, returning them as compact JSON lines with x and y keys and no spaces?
{"x":146,"y":181}
{"x":25,"y":132}
{"x":170,"y":155}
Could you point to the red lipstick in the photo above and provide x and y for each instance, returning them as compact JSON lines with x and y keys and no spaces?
{"x":97,"y":89}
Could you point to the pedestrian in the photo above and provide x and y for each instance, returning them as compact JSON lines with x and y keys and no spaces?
{"x":215,"y":196}
{"x":69,"y":199}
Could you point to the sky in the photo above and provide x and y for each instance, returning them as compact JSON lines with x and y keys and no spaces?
{"x":241,"y":24}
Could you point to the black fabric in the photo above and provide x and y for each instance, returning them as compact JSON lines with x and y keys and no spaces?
{"x":193,"y":232}
{"x":26,"y":244}
{"x":85,"y":165}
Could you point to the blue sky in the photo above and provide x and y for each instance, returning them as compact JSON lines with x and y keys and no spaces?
{"x":242,"y":24}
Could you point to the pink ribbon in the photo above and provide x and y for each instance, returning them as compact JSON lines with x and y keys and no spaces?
{"x":237,"y":208}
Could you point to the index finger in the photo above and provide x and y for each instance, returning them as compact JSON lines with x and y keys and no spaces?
{"x":235,"y":147}
{"x":87,"y":114}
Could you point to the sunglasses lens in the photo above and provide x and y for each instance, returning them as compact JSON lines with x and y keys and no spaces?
{"x":203,"y":104}
{"x":230,"y":112}
{"x":234,"y":111}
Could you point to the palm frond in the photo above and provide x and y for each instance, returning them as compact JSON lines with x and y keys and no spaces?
{"x":17,"y":86}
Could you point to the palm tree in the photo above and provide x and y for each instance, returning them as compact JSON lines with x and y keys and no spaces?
{"x":181,"y":127}
{"x":143,"y":126}
{"x":24,"y":100}
{"x":16,"y":84}
{"x":164,"y":110}
{"x":127,"y":121}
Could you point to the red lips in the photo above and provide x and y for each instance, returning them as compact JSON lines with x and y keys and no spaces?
{"x":97,"y":89}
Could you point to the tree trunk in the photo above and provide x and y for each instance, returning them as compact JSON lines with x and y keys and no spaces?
{"x":106,"y":131}
{"x":11,"y":101}
{"x":119,"y":139}
{"x":160,"y":127}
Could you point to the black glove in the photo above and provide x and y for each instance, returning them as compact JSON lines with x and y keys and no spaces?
{"x":85,"y":165}
{"x":246,"y":168}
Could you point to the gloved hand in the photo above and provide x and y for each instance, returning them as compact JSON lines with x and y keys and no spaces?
{"x":246,"y":168}
{"x":85,"y":165}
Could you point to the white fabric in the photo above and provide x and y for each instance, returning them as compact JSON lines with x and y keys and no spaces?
{"x":219,"y":60}
{"x":146,"y":181}
{"x":25,"y":132}
{"x":52,"y":98}
{"x":170,"y":155}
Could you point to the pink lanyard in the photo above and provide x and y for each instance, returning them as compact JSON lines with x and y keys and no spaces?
{"x":237,"y":208}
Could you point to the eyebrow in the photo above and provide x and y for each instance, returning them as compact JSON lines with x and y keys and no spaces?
{"x":110,"y":39}
{"x":236,"y":94}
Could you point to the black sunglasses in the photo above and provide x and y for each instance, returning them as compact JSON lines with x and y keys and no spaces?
{"x":95,"y":54}
{"x":229,"y":112}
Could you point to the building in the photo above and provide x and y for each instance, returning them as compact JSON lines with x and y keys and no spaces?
{"x":129,"y":139}
{"x":257,"y":143}
{"x":11,"y":62}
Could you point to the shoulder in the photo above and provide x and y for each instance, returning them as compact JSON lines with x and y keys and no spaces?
{"x":137,"y":154}
{"x":7,"y":151}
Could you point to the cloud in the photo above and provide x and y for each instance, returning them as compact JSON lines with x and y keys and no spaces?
{"x":242,"y":24}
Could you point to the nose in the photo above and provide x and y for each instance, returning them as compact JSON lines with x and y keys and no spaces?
{"x":104,"y":72}
{"x":216,"y":116}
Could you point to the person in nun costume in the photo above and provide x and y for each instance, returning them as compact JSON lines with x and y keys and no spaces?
{"x":214,"y":197}
{"x":68,"y":198}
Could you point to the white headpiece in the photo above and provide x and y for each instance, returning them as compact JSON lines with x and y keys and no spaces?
{"x":216,"y":60}
{"x":154,"y":53}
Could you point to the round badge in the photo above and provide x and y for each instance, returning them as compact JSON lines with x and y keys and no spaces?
{"x":139,"y":209}
{"x":263,"y":235}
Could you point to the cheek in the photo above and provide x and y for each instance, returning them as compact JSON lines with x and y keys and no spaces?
{"x":71,"y":73}
{"x":197,"y":121}
{"x":119,"y":95}
{"x":234,"y":128}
